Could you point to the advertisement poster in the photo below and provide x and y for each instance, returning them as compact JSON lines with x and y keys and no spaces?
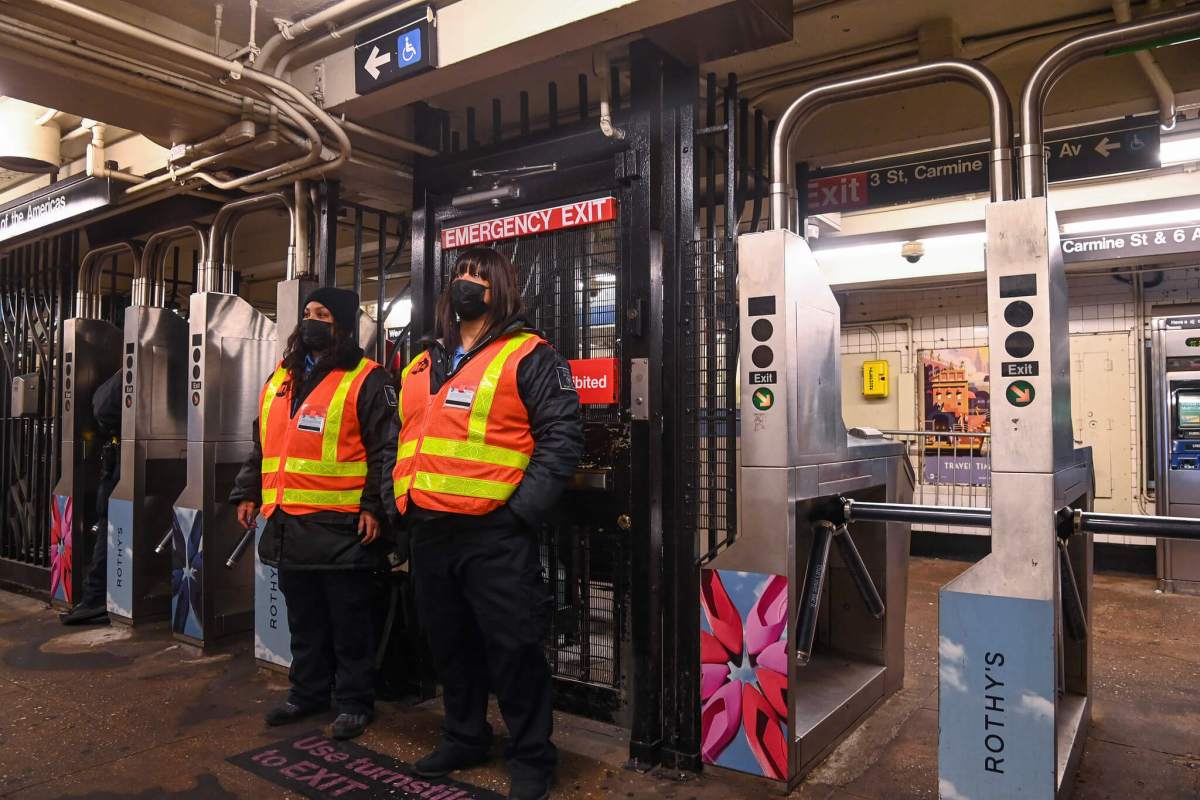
{"x":957,"y":402}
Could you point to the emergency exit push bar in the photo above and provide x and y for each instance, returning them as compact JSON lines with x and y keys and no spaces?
{"x":1152,"y":527}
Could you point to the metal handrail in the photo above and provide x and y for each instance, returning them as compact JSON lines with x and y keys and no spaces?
{"x":217,"y":275}
{"x":87,"y":296}
{"x":148,"y":286}
{"x":1147,"y":33}
{"x":839,"y":90}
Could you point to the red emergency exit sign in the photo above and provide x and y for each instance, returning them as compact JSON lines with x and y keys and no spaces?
{"x":595,"y":380}
{"x":570,"y":215}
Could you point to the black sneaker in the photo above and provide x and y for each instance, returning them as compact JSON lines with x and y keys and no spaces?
{"x":529,"y":787}
{"x":288,"y":712}
{"x":82,"y":615}
{"x":350,"y":726}
{"x":447,"y":758}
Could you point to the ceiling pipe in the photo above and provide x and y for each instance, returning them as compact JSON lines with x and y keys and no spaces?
{"x":600,"y":67}
{"x":1162,"y":87}
{"x":1151,"y":32}
{"x":289,"y":30}
{"x":817,"y":97}
{"x":279,"y":91}
{"x":96,"y":164}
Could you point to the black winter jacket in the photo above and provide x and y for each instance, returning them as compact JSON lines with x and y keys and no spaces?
{"x":546,"y":388}
{"x":330,"y":539}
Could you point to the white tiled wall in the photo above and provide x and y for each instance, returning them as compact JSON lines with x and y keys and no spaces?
{"x":956,"y":317}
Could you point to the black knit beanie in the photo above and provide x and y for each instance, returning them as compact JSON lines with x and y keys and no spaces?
{"x":342,"y":303}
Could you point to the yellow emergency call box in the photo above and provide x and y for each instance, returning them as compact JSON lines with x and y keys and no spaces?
{"x":875,"y":379}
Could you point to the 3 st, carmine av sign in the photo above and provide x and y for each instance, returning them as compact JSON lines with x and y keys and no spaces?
{"x":395,"y":48}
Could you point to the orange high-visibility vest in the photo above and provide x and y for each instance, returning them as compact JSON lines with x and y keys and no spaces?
{"x":464,"y":450}
{"x":316,"y":460}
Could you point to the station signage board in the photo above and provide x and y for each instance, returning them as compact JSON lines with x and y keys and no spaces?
{"x":528,"y":223}
{"x":395,"y":48}
{"x":1082,"y":152}
{"x":1142,"y":243}
{"x":54,"y":204}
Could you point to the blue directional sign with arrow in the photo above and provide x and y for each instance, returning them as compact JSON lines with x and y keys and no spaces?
{"x":395,"y":48}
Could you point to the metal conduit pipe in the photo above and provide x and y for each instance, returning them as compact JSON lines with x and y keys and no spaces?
{"x":302,"y":207}
{"x":87,"y":296}
{"x":220,"y":235}
{"x":148,"y":274}
{"x":838,"y":90}
{"x":289,"y":30}
{"x":1144,"y":33}
{"x":1162,"y":87}
{"x":277,"y":89}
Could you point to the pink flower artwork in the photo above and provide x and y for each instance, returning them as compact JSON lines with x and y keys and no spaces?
{"x":743,"y":674}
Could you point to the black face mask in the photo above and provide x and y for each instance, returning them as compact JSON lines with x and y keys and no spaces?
{"x":466,"y":298}
{"x":316,"y":335}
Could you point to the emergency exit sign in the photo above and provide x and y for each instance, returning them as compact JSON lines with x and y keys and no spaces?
{"x":528,"y":223}
{"x":395,"y":48}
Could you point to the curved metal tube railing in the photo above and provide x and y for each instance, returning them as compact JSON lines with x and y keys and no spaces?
{"x":148,"y":276}
{"x":87,"y":296}
{"x":216,"y":273}
{"x":839,"y":90}
{"x":1144,"y":33}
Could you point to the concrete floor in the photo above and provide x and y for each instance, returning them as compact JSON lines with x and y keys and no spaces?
{"x":107,"y":713}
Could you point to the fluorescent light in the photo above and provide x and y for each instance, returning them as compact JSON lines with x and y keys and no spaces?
{"x":400,"y":315}
{"x":881,"y":262}
{"x":1182,"y":217}
{"x":1179,"y":150}
{"x":604,"y":277}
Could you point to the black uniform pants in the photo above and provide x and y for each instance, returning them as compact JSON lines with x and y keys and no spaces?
{"x":333,"y":635}
{"x":484,"y":607}
{"x":95,"y":582}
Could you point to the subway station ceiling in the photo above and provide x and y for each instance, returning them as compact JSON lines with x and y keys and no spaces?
{"x":829,"y":38}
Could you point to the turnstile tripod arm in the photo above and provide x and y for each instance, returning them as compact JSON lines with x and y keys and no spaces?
{"x":858,"y":571}
{"x":241,"y":548}
{"x":165,"y":540}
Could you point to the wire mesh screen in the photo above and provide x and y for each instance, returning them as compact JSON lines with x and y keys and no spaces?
{"x":32,"y":290}
{"x":571,"y":284}
{"x":709,"y":362}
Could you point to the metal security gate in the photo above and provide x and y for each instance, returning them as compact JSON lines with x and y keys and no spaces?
{"x":36,"y":289}
{"x":570,"y":282}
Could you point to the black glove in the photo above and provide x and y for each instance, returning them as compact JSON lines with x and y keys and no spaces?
{"x":398,"y":555}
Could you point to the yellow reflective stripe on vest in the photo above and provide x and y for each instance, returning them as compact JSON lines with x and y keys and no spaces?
{"x":268,"y":496}
{"x":313,"y":497}
{"x":464,"y":487}
{"x":335,"y":469}
{"x":277,"y":379}
{"x":401,"y":486}
{"x":333,"y":418}
{"x":270,"y":465}
{"x":407,"y":450}
{"x":481,"y":408}
{"x":473,"y":451}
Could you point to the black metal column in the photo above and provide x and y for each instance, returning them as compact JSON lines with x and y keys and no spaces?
{"x":327,"y":220}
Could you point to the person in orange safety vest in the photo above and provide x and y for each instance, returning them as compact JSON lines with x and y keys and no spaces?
{"x":490,"y":434}
{"x":322,"y":452}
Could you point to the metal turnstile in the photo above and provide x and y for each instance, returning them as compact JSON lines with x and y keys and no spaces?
{"x":798,"y":644}
{"x":153,"y":442}
{"x":1176,"y":358}
{"x":91,"y":355}
{"x":232,"y":349}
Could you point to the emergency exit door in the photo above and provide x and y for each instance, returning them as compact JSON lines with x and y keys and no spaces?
{"x":568,"y":258}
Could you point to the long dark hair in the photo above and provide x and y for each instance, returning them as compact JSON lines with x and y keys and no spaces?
{"x":493,"y":267}
{"x":345,"y":349}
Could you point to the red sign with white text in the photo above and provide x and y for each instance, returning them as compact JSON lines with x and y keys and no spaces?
{"x":595,"y":380}
{"x":571,"y":215}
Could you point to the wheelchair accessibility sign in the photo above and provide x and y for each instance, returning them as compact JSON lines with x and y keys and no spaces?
{"x":395,"y":48}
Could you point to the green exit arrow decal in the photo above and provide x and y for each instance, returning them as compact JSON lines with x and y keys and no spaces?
{"x":764,"y":399}
{"x":1020,"y":393}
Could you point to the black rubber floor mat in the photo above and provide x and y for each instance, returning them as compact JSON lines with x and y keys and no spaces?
{"x":314,"y":765}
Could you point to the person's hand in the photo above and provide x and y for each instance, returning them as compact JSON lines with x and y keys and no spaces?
{"x":368,"y":527}
{"x":247,"y":513}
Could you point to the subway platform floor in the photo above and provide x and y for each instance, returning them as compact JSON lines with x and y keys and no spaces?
{"x":105,"y":712}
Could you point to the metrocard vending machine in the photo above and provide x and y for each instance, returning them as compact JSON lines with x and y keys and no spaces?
{"x":1176,"y":358}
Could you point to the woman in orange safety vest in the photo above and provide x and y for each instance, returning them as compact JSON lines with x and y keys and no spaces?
{"x":322,"y":449}
{"x":489,"y":436}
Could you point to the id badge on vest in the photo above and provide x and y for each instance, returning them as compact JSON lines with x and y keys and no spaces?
{"x":459,"y":398}
{"x":311,"y":419}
